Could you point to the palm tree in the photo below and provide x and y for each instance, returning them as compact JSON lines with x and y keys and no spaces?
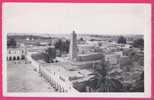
{"x":50,"y":54}
{"x":109,"y":85}
{"x":138,"y":86}
{"x":101,"y":82}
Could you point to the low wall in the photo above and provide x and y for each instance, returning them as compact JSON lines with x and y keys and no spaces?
{"x":55,"y":81}
{"x":52,"y":78}
{"x":90,"y":57}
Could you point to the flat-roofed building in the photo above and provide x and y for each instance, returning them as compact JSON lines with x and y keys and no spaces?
{"x":16,"y":54}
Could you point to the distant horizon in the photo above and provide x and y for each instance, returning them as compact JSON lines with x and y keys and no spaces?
{"x":15,"y":33}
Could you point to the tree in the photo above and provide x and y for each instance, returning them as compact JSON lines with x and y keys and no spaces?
{"x":139,"y":43}
{"x":109,"y":85}
{"x":58,"y":46}
{"x":81,"y":39}
{"x":12,"y":43}
{"x":138,"y":86}
{"x":101,"y":82}
{"x":50,"y":54}
{"x":62,"y":46}
{"x":122,"y":40}
{"x":67,"y":46}
{"x":50,"y":42}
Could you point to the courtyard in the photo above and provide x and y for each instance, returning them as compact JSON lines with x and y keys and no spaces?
{"x":22,"y":77}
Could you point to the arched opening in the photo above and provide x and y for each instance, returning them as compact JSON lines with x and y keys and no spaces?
{"x":22,"y":57}
{"x":22,"y":51}
{"x":14,"y":58}
{"x":18,"y":58}
{"x":10,"y":58}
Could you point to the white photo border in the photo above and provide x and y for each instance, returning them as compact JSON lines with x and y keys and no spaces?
{"x":147,"y":63}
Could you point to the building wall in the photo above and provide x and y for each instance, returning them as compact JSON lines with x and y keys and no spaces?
{"x":112,"y":58}
{"x":15,"y":54}
{"x":60,"y":83}
{"x":83,"y":49}
{"x":90,"y":57}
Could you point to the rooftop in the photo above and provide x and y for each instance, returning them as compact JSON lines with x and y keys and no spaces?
{"x":65,"y":71}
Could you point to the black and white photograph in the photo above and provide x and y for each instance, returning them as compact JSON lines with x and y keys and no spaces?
{"x":76,"y":49}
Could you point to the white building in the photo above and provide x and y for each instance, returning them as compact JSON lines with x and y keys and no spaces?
{"x":112,"y":58}
{"x":15,"y":54}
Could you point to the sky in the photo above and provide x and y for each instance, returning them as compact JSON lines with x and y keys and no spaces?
{"x":89,"y":18}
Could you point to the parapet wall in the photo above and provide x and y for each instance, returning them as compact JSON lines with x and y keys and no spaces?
{"x":55,"y":81}
{"x":90,"y":57}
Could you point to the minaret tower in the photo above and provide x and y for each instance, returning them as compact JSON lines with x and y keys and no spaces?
{"x":73,"y":46}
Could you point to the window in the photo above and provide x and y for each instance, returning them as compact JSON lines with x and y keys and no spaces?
{"x":18,"y":58}
{"x":10,"y":58}
{"x":14,"y":58}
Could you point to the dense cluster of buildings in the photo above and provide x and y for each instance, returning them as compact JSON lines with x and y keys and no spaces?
{"x":77,"y":66}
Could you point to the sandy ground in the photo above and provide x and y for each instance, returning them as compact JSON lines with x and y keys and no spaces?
{"x":22,"y":78}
